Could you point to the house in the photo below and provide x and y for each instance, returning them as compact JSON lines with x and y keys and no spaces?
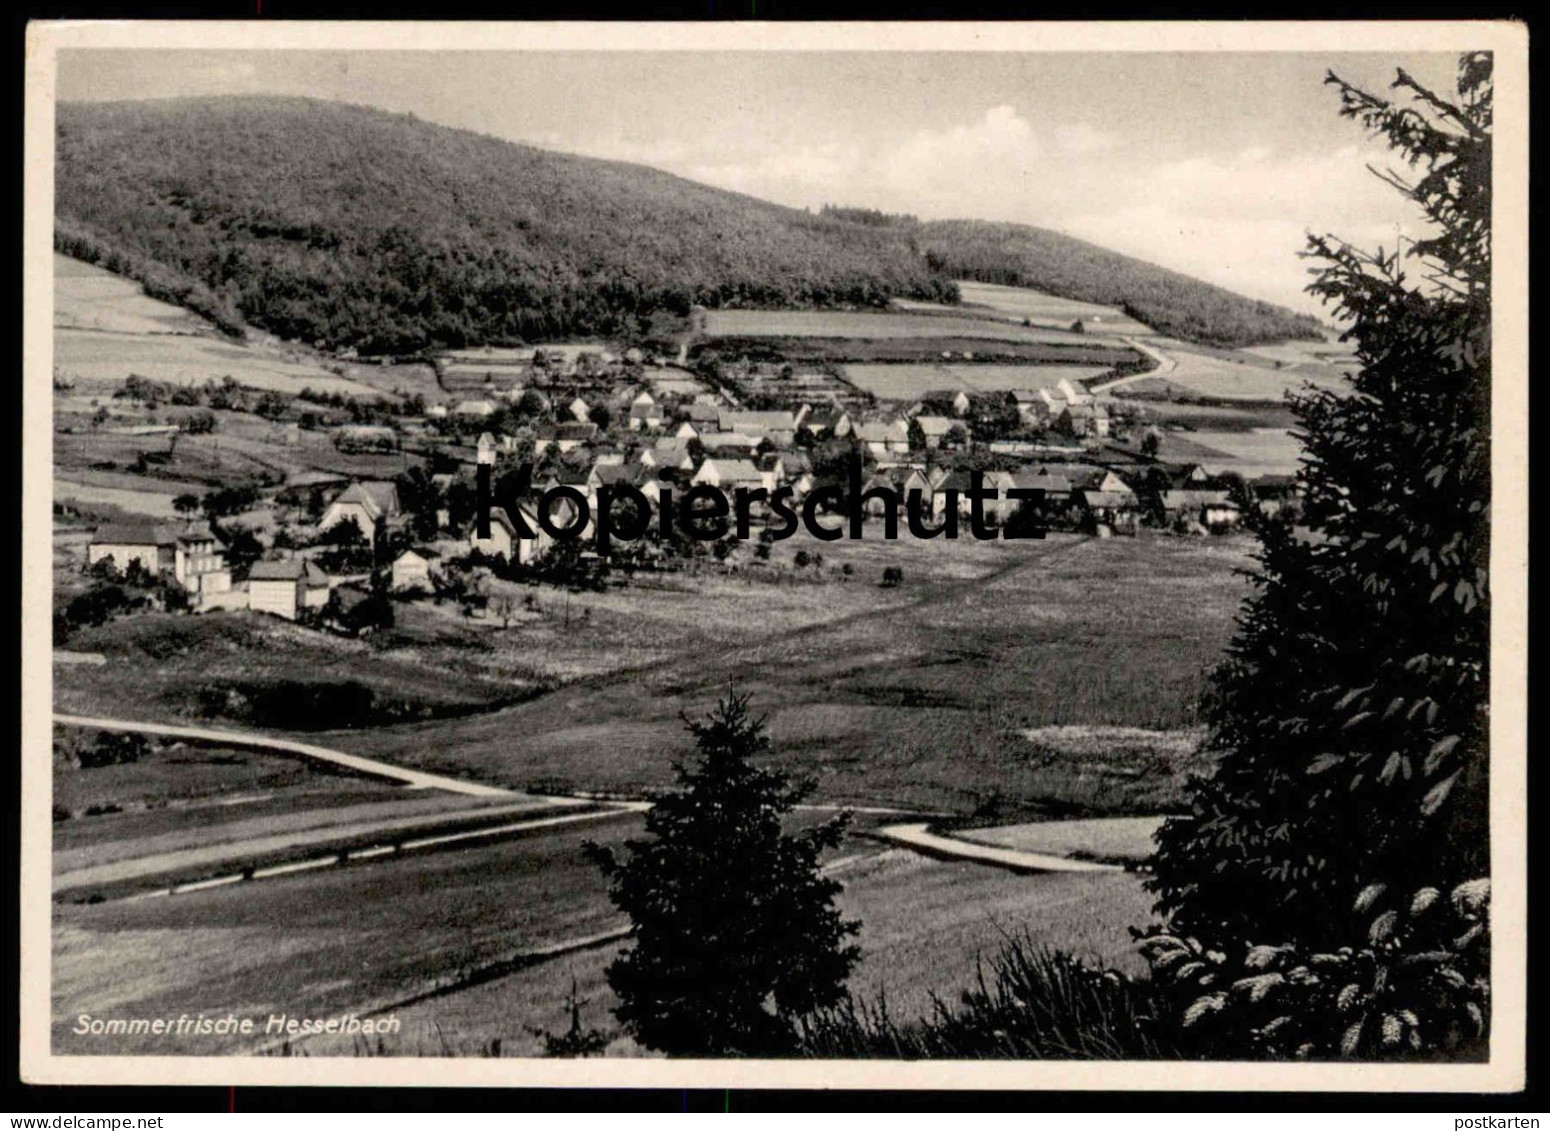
{"x":1211,"y":508}
{"x":1071,"y":393}
{"x":777,"y":427}
{"x":934,"y":430}
{"x":416,"y":571}
{"x":368,"y":502}
{"x":668,"y":452}
{"x":1032,"y":406}
{"x":284,"y":588}
{"x":645,"y":416}
{"x":1273,"y":493}
{"x":735,"y":443}
{"x":190,"y":552}
{"x":473,"y":408}
{"x":1109,"y":512}
{"x":901,"y":481}
{"x":824,"y":423}
{"x":579,"y":410}
{"x":961,"y":403}
{"x":506,"y":541}
{"x":1083,"y":420}
{"x":728,"y":475}
{"x":884,"y":438}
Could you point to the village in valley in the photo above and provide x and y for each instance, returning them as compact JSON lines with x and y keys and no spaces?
{"x":328,"y":545}
{"x":261,"y":541}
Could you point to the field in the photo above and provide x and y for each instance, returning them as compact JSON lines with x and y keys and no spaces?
{"x":262,"y":672}
{"x":906,"y":382}
{"x":107,"y":328}
{"x":924,"y":925}
{"x":1262,"y":451}
{"x":1235,"y":374}
{"x":914,"y":696}
{"x":1048,"y":310}
{"x":838,"y":324}
{"x":1110,"y":839}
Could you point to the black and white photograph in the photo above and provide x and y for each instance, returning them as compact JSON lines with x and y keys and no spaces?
{"x":851,"y":556}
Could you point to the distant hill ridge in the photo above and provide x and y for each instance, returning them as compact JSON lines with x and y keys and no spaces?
{"x":350,"y":226}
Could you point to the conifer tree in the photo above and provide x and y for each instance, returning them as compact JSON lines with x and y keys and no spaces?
{"x":735,"y":931}
{"x":1350,"y":714}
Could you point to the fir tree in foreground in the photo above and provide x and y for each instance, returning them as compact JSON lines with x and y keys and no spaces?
{"x":1351,"y":711}
{"x":736,"y":936}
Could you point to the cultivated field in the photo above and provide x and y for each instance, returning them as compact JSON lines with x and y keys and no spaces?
{"x":839,"y":324}
{"x":1048,"y":310}
{"x":1263,"y":451}
{"x":107,"y":328}
{"x":907,"y":382}
{"x":1235,"y":374}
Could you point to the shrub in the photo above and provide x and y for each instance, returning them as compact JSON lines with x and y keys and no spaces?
{"x":1417,"y":985}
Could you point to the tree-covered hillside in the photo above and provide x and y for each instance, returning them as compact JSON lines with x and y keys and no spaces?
{"x":356,"y":227}
{"x":1019,"y":256}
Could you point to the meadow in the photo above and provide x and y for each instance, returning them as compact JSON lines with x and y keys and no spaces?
{"x":908,"y":382}
{"x":106,"y":327}
{"x":1236,"y":374}
{"x":1044,"y":309}
{"x":925,"y":925}
{"x":913,"y":696}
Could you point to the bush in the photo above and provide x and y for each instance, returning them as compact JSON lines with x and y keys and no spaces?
{"x":1417,"y":985}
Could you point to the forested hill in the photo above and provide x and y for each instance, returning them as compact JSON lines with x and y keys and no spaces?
{"x":1018,"y":255}
{"x":356,"y":227}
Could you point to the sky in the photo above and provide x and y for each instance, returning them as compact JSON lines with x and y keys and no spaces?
{"x":1214,"y":164}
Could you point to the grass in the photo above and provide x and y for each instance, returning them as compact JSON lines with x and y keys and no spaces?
{"x":1048,"y":310}
{"x":906,"y":382}
{"x":228,"y":667}
{"x":1122,"y":840}
{"x":181,"y":774}
{"x":914,"y":696}
{"x":1028,"y":1002}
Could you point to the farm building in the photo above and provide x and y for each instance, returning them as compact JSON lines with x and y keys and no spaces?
{"x":730,"y":443}
{"x":777,"y":427}
{"x":284,"y":588}
{"x":190,"y":552}
{"x":473,"y":408}
{"x":565,"y":437}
